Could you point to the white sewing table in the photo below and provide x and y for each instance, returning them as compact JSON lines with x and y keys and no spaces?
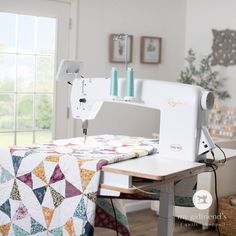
{"x":117,"y":178}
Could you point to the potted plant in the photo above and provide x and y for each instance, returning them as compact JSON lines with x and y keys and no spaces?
{"x":202,"y":74}
{"x":221,"y":118}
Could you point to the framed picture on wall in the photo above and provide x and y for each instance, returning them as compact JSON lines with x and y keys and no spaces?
{"x":117,"y":48}
{"x":150,"y":50}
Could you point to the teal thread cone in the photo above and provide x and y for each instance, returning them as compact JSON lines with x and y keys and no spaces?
{"x":114,"y":83}
{"x":130,"y":82}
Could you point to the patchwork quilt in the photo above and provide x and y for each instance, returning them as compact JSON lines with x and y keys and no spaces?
{"x":51,"y":189}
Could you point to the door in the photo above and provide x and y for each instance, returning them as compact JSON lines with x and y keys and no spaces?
{"x":34,"y":37}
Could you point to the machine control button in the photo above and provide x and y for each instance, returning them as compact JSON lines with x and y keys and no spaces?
{"x":82,"y":100}
{"x":207,"y":100}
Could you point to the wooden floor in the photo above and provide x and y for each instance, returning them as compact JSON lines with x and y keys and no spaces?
{"x":144,"y":223}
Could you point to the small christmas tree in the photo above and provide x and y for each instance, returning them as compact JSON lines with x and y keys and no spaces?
{"x":203,"y":75}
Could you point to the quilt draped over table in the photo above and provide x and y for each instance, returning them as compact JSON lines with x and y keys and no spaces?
{"x":51,"y":189}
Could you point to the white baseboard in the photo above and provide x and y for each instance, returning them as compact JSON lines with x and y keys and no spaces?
{"x":131,"y":206}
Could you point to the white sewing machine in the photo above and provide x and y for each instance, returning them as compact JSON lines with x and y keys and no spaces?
{"x":183,"y":133}
{"x":183,"y":108}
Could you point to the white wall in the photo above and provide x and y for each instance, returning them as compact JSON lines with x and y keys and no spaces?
{"x":163,"y":18}
{"x":98,"y":19}
{"x":203,"y":16}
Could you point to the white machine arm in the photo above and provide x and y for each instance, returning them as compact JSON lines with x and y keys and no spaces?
{"x":183,"y":111}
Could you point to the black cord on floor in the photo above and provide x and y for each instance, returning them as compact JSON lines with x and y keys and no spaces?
{"x":214,"y":167}
{"x":211,"y":163}
{"x":217,"y":201}
{"x":117,"y":233}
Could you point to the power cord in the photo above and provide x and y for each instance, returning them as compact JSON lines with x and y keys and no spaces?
{"x":114,"y":211}
{"x":217,"y":201}
{"x":143,"y":191}
{"x":214,"y":168}
{"x":223,"y":161}
{"x":211,"y":163}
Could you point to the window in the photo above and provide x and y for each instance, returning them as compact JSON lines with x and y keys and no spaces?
{"x":27,"y":54}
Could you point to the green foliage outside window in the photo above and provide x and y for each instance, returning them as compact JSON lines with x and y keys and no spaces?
{"x":44,"y":113}
{"x":43,"y":102}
